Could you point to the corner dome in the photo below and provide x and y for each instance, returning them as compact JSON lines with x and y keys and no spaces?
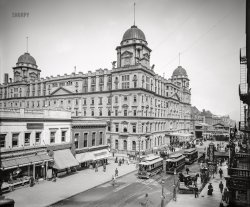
{"x":134,"y":33}
{"x":27,"y":59}
{"x":180,"y":71}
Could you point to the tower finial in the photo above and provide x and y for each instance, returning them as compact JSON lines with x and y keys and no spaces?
{"x":134,"y":13}
{"x":27,"y":43}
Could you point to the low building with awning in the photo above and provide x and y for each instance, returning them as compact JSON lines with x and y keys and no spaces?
{"x":64,"y":159}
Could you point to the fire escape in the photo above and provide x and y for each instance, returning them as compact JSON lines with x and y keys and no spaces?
{"x":243,"y":92}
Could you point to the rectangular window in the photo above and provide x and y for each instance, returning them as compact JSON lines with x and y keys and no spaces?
{"x":85,"y":140}
{"x":92,"y":101}
{"x":134,"y":128}
{"x":76,"y":140}
{"x":100,"y":112}
{"x":116,"y":112}
{"x":2,"y":140}
{"x":109,"y":127}
{"x":116,"y":99}
{"x":109,"y":100}
{"x":100,"y":100}
{"x":84,"y":101}
{"x":15,"y":139}
{"x":101,"y":138}
{"x":117,"y":128}
{"x":38,"y":137}
{"x":93,"y":139}
{"x":134,"y":112}
{"x":63,"y":136}
{"x":27,"y":139}
{"x":125,"y":112}
{"x":125,"y":98}
{"x":52,"y":137}
{"x":135,"y":98}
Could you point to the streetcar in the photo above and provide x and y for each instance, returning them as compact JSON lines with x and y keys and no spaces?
{"x":191,"y":155}
{"x":151,"y":166}
{"x":175,"y":163}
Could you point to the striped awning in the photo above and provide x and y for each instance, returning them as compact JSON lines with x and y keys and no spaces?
{"x":64,"y":159}
{"x":84,"y":157}
{"x":24,"y":161}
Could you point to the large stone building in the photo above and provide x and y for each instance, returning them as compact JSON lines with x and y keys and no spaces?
{"x":138,"y":104}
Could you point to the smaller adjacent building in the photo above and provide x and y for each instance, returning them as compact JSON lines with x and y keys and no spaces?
{"x":89,"y":137}
{"x":24,"y":139}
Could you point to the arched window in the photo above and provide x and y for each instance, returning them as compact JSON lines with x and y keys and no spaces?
{"x":133,"y":145}
{"x":125,"y":144}
{"x":116,"y":144}
{"x":125,"y":129}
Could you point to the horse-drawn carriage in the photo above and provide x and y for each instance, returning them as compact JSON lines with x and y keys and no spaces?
{"x":186,"y":182}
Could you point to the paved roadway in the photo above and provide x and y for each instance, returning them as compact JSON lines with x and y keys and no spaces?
{"x":129,"y":191}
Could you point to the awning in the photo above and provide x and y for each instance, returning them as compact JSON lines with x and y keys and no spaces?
{"x":101,"y":154}
{"x":84,"y":157}
{"x":24,"y":161}
{"x":64,"y":159}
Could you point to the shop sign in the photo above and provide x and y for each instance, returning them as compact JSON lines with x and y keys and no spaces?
{"x":35,"y":126}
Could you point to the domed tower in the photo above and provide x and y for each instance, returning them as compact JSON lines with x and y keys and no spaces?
{"x":133,"y":49}
{"x":180,"y":77}
{"x":26,"y":68}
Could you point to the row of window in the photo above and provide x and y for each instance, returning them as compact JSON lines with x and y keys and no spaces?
{"x":85,"y":139}
{"x":27,"y":138}
{"x":143,"y":144}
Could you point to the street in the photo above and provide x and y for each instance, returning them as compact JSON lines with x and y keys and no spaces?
{"x":129,"y":191}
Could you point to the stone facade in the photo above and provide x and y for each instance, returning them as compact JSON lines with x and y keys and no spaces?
{"x":133,"y":100}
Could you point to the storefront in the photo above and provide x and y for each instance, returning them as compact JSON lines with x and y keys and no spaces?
{"x":64,"y":162}
{"x":93,"y":157}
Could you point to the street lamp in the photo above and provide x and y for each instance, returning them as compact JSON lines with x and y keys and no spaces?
{"x":139,"y":139}
{"x":162,"y":193}
{"x":174,"y":175}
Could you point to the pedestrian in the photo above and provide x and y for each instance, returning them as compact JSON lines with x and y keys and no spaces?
{"x":116,"y":172}
{"x":146,"y":201}
{"x":221,"y":172}
{"x":196,"y":195}
{"x":104,"y":167}
{"x":123,"y":160}
{"x":113,"y":181}
{"x":174,"y":193}
{"x":221,"y":186}
{"x":187,"y":170}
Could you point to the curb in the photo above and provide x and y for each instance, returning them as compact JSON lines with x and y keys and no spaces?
{"x":91,"y":188}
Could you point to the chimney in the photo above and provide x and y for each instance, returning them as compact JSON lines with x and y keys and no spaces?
{"x":6,"y":78}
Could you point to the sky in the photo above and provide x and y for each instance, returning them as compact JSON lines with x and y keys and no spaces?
{"x":84,"y":33}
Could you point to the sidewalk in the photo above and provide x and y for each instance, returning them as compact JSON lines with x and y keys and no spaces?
{"x":47,"y":192}
{"x":204,"y":200}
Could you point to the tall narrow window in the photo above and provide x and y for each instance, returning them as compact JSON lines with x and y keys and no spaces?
{"x":63,"y":136}
{"x":133,"y":145}
{"x":76,"y":140}
{"x":93,"y":139}
{"x":85,"y":140}
{"x":26,"y":139}
{"x":116,"y":144}
{"x":15,"y":139}
{"x":125,"y":145}
{"x":101,"y":138}
{"x":52,"y":137}
{"x":38,"y":137}
{"x":2,"y":140}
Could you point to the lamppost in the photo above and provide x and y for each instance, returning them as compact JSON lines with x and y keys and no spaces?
{"x":139,"y":139}
{"x":162,"y":193}
{"x":174,"y":175}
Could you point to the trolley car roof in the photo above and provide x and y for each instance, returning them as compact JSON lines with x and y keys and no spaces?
{"x":175,"y":159}
{"x":151,"y":162}
{"x":190,"y":150}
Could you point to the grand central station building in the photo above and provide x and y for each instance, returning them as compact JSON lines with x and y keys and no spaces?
{"x":141,"y":108}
